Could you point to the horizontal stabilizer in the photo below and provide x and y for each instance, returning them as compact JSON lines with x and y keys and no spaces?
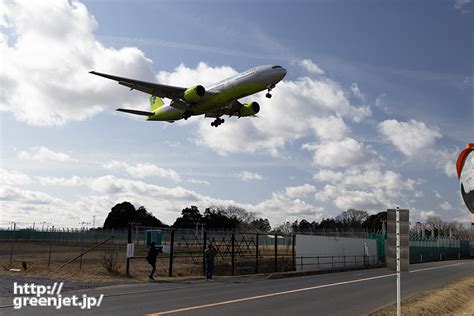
{"x":136,"y":112}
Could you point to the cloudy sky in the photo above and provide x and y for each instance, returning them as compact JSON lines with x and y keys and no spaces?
{"x":376,"y":105}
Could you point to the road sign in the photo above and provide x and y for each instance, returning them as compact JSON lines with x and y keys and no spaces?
{"x":403,"y":240}
{"x":130,"y":250}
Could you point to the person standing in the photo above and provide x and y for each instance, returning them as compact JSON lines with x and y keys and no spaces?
{"x":151,"y":258}
{"x":210,"y":255}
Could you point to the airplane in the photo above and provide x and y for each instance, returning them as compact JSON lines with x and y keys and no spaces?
{"x":217,"y":100}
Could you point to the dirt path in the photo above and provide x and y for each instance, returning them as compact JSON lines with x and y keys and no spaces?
{"x":453,"y":299}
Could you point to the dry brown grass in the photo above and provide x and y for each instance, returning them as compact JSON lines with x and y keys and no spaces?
{"x":453,"y":299}
{"x":36,"y":256}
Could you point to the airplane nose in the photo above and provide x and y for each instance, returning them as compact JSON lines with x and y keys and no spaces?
{"x":283,"y":73}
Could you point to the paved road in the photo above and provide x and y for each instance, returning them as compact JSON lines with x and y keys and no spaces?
{"x":346,"y":293}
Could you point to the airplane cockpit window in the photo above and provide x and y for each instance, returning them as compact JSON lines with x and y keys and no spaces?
{"x":275,"y":67}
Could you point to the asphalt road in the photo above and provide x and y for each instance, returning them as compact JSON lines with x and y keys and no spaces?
{"x":346,"y":293}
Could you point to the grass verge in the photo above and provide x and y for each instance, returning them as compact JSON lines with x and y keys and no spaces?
{"x":453,"y":299}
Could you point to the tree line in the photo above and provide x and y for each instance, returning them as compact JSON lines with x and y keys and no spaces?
{"x":237,"y":218}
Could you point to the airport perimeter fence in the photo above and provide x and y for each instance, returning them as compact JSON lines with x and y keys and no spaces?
{"x":98,"y":251}
{"x":238,"y":253}
{"x":66,"y":249}
{"x":424,"y":249}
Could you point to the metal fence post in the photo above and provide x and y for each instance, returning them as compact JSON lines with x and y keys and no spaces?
{"x":276,"y":253}
{"x":204,"y":244}
{"x":233,"y":253}
{"x":129,"y":241}
{"x":256,"y":254}
{"x":170,"y":269}
{"x":49,"y":256}
{"x":13,"y":243}
{"x":82,"y":250}
{"x":293,"y":242}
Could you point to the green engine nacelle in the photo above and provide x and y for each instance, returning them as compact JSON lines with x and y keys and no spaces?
{"x":249,"y":109}
{"x":193,"y":94}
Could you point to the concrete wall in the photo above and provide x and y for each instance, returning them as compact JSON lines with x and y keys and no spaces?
{"x":322,"y":253}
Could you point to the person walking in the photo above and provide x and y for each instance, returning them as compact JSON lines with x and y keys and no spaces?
{"x":151,"y":258}
{"x":210,"y":255}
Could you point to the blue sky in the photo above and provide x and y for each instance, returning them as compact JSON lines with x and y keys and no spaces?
{"x":376,"y":105}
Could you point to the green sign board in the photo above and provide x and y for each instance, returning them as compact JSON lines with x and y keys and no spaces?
{"x":153,"y":235}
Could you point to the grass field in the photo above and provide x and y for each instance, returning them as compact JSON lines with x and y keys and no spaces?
{"x":453,"y":299}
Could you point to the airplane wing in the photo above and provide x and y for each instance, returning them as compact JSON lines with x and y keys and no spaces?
{"x":159,"y":90}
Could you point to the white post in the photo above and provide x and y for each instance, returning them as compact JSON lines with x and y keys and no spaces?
{"x":399,"y":312}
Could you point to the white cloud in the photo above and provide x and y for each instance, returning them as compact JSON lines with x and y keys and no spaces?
{"x":102,"y":193}
{"x":13,"y":177}
{"x":197,"y":181}
{"x":367,"y":187}
{"x":356,"y":91}
{"x":445,"y":160}
{"x":44,"y":154}
{"x":332,"y":127}
{"x":328,"y":176}
{"x":142,"y":170}
{"x":300,"y":191}
{"x":202,"y":74}
{"x":41,"y":35}
{"x":280,"y":208}
{"x":358,"y":199}
{"x":310,"y":66}
{"x":341,"y":153}
{"x":250,"y":176}
{"x":436,"y":193}
{"x":65,"y":182}
{"x":380,"y":103}
{"x":409,"y":137}
{"x":446,"y":206}
{"x":461,"y":4}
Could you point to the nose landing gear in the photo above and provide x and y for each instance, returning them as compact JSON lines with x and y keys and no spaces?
{"x":268,"y":95}
{"x":218,"y":121}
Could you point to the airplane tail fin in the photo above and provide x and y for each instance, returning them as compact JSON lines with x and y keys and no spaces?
{"x":155,"y":102}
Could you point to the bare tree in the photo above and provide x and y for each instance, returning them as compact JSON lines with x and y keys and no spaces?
{"x":285,"y":228}
{"x":352,"y":218}
{"x":241,"y":214}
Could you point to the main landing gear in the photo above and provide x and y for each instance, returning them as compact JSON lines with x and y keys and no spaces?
{"x":268,"y":95}
{"x":218,"y":121}
{"x":187,"y":114}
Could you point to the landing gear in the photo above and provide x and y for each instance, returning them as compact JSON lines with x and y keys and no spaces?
{"x":187,"y":114}
{"x":268,"y":95}
{"x":217,"y":122}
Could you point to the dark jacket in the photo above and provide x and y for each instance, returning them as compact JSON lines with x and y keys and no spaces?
{"x":210,"y":254}
{"x":152,"y":253}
